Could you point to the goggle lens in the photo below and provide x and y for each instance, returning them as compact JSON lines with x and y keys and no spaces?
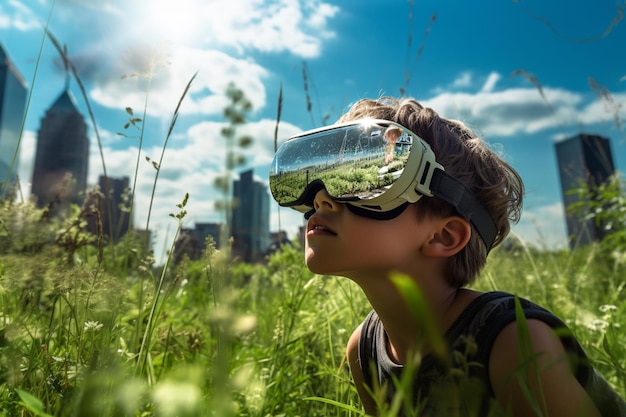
{"x":356,"y":162}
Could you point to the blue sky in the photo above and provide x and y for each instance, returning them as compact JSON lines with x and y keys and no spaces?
{"x":457,"y":57}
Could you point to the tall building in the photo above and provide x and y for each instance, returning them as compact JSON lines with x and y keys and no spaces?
{"x":250,"y":218}
{"x":203,"y":230}
{"x":62,"y":155}
{"x":192,"y":242}
{"x":583,"y":161}
{"x":114,"y":207}
{"x":12,"y":107}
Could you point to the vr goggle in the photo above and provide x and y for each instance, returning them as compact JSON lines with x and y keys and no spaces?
{"x":376,"y":167}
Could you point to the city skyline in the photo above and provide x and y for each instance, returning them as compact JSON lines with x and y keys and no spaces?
{"x":61,"y":168}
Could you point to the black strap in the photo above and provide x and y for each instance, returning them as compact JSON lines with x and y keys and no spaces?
{"x":456,"y":193}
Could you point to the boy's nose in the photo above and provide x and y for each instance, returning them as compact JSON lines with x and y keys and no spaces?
{"x":323,"y":200}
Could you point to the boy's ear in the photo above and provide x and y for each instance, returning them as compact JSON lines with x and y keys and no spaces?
{"x":452,"y":235}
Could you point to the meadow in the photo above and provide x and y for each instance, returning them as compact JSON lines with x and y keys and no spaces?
{"x":100,"y":335}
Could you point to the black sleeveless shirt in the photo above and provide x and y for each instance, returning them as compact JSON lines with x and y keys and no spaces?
{"x":462,"y":386}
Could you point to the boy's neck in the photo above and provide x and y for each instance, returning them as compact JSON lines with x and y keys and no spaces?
{"x":403,"y":330}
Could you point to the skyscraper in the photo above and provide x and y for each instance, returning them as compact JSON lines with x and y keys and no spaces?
{"x":583,"y":161}
{"x":192,"y":242}
{"x":114,"y":207}
{"x":62,"y":151}
{"x":12,"y":106}
{"x":250,"y":218}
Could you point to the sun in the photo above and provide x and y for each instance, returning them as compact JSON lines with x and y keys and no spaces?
{"x":171,"y":21}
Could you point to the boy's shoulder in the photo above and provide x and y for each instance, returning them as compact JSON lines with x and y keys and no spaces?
{"x":513,"y":322}
{"x":489,"y":313}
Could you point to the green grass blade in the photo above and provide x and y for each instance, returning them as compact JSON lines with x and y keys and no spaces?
{"x":32,"y":403}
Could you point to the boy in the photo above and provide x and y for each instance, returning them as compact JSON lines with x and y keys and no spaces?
{"x":431,"y":213}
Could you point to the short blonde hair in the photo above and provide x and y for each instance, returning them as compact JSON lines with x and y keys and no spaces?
{"x":467,"y":158}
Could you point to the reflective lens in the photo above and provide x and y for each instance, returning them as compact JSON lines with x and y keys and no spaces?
{"x":354,"y":162}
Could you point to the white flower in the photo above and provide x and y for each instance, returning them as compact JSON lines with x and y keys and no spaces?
{"x":606,"y":308}
{"x":598,"y":325}
{"x":92,"y":325}
{"x":176,"y":398}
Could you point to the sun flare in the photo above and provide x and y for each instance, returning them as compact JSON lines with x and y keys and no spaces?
{"x":171,"y":21}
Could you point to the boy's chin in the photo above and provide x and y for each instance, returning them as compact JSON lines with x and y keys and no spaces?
{"x":315,"y":266}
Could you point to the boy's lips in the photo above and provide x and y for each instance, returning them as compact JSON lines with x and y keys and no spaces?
{"x":317,"y":226}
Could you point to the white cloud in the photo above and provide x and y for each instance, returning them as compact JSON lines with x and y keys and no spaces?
{"x":297,"y":27}
{"x":602,"y":111}
{"x":27,"y":161}
{"x":15,"y":14}
{"x":215,"y":70}
{"x":5,"y":21}
{"x":218,"y":42}
{"x":510,"y":111}
{"x":291,"y":26}
{"x":463,"y":80}
{"x":513,"y":111}
{"x":491,"y":82}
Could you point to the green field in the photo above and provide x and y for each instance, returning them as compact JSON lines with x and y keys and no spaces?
{"x":89,"y":338}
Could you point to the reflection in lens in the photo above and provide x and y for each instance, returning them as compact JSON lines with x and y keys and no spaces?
{"x":352,"y":162}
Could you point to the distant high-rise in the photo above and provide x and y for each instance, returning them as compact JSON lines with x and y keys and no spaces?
{"x":583,"y":160}
{"x":62,"y":151}
{"x":192,"y":242}
{"x":114,"y":208}
{"x":12,"y":107}
{"x":250,"y":218}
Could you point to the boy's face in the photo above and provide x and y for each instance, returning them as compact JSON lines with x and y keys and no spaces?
{"x":339,"y":242}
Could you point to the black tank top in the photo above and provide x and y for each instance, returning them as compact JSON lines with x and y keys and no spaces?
{"x":464,"y":388}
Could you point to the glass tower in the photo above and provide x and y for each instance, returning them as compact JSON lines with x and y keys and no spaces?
{"x":250,"y":218}
{"x":583,"y":161}
{"x":12,"y":107}
{"x":114,"y":207}
{"x":62,"y":155}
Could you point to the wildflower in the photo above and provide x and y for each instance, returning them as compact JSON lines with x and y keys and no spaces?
{"x":598,"y":325}
{"x":92,"y":326}
{"x":177,"y":398}
{"x":608,"y":308}
{"x":244,"y":324}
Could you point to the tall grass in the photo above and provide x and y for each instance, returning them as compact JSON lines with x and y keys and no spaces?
{"x":237,"y":339}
